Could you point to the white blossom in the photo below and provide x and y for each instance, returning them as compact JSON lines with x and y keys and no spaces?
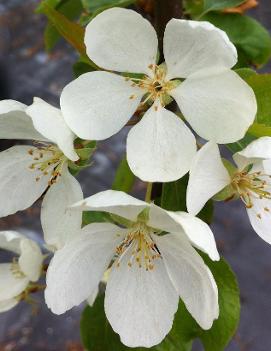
{"x":250,"y":181}
{"x":197,"y":73}
{"x":27,"y":171}
{"x":15,"y":276}
{"x":149,"y":272}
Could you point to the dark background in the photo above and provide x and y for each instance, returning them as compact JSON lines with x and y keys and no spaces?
{"x":27,"y":71}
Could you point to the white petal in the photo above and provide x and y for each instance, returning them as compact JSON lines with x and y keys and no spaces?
{"x":15,"y":123}
{"x":49,"y":121}
{"x":190,"y":46}
{"x":11,"y":240}
{"x":121,"y":40}
{"x":30,"y":260}
{"x":98,"y":104}
{"x":191,"y":277}
{"x":112,"y":201}
{"x":219,"y":107}
{"x":260,"y":218}
{"x":257,"y":150}
{"x":11,"y":285}
{"x":91,"y":299}
{"x":207,"y":177}
{"x":18,"y":186}
{"x":160,"y":147}
{"x":7,"y":305}
{"x":60,"y":223}
{"x":198,"y":232}
{"x":76,"y":270}
{"x":139,"y":304}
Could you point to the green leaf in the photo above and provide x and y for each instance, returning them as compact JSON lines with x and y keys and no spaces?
{"x":259,"y":130}
{"x":94,"y":5}
{"x":193,"y":7}
{"x":81,"y":67}
{"x":124,"y":178}
{"x":245,"y":73}
{"x":241,"y":144}
{"x":248,"y":35}
{"x":96,"y":217}
{"x":214,"y":5}
{"x":70,"y":9}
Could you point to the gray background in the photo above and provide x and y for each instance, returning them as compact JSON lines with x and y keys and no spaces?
{"x":27,"y":71}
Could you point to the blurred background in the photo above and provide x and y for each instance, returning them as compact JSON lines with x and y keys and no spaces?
{"x":26,"y":70}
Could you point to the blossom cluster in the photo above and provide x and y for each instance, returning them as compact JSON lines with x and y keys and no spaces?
{"x":150,"y":254}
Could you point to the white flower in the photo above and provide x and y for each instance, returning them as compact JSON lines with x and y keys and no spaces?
{"x":215,"y":101}
{"x":150,"y":271}
{"x":26,"y":171}
{"x":250,"y":181}
{"x":16,"y":276}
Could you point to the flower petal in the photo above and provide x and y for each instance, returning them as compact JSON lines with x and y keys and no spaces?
{"x":219,"y":107}
{"x":207,"y":177}
{"x":7,"y":305}
{"x":10,"y":240}
{"x":19,"y":188}
{"x":31,"y":258}
{"x":190,"y":46}
{"x":139,"y":304}
{"x":260,"y":218}
{"x":11,"y":285}
{"x":160,"y":147}
{"x":112,"y":201}
{"x":60,"y":223}
{"x":191,"y":278}
{"x":198,"y":232}
{"x":257,"y":150}
{"x":98,"y":104}
{"x":49,"y":121}
{"x":15,"y":123}
{"x":76,"y":270}
{"x":121,"y":40}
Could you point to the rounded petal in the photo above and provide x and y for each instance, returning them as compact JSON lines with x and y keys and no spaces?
{"x":207,"y":177}
{"x":49,"y":121}
{"x":60,"y":223}
{"x":7,"y":305}
{"x":121,"y":40}
{"x":191,"y":278}
{"x":76,"y":270}
{"x":11,"y":284}
{"x":219,"y":107}
{"x":160,"y":147}
{"x":98,"y":104}
{"x":113,"y":201}
{"x":31,"y":258}
{"x":257,"y":150}
{"x":190,"y":46}
{"x":10,"y":240}
{"x":198,"y":232}
{"x":139,"y":304}
{"x":260,"y":218}
{"x":19,"y":187}
{"x":15,"y":123}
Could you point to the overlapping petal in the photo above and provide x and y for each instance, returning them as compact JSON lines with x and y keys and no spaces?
{"x":190,"y":46}
{"x":11,"y":241}
{"x":191,"y":278}
{"x":139,"y":304}
{"x":11,"y":285}
{"x":20,"y":186}
{"x":59,"y":222}
{"x":98,"y":104}
{"x":160,"y":147}
{"x":121,"y":40}
{"x":76,"y":270}
{"x":15,"y":123}
{"x":30,"y":260}
{"x":219,"y":106}
{"x":207,"y":177}
{"x":49,"y":121}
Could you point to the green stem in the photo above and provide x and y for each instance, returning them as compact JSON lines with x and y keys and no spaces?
{"x":148,"y":192}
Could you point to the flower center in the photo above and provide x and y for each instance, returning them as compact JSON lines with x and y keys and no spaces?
{"x":15,"y":269}
{"x":141,"y":247}
{"x":156,"y":87}
{"x":255,"y":185}
{"x":48,"y":159}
